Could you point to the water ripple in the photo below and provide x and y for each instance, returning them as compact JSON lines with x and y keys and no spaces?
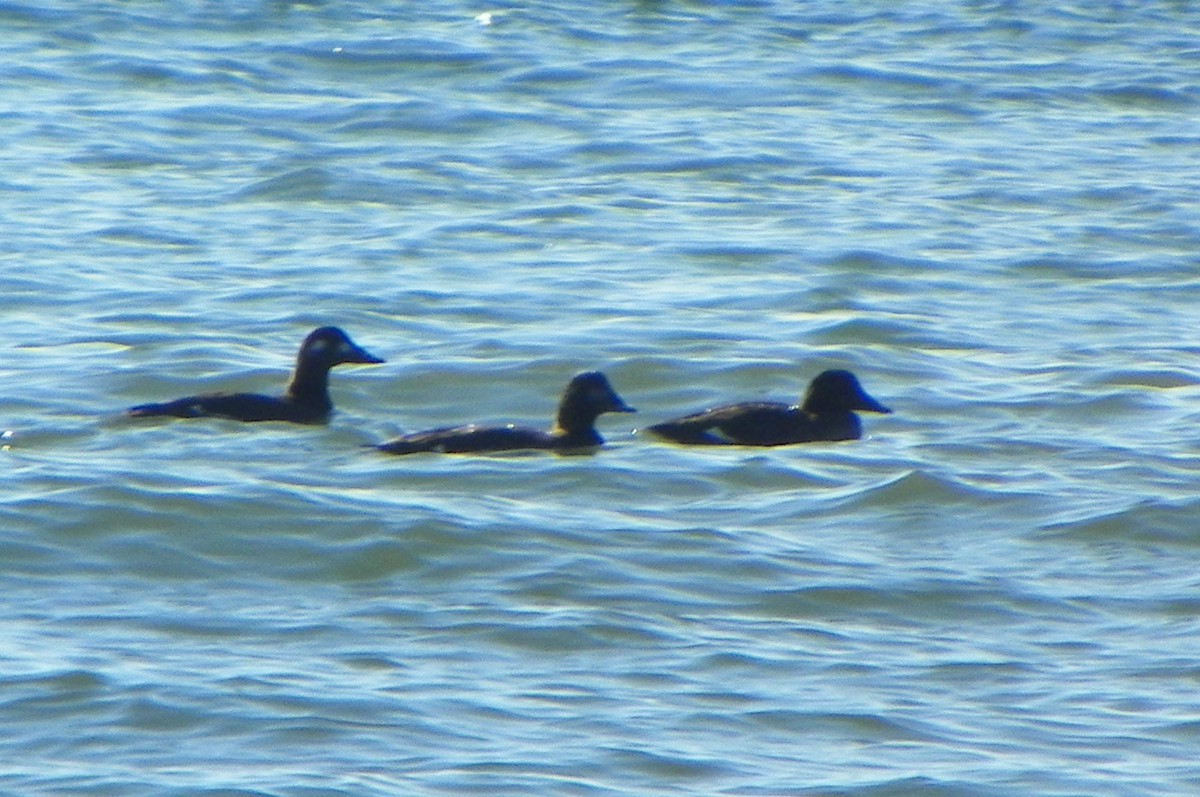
{"x":988,"y":218}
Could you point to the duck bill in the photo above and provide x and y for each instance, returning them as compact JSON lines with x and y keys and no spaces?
{"x":868,"y":404}
{"x":357,"y":354}
{"x":618,"y":405}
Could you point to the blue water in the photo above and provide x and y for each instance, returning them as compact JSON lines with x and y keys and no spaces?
{"x":985,"y":210}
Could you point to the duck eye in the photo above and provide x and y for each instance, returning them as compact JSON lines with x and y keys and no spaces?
{"x":318,"y":346}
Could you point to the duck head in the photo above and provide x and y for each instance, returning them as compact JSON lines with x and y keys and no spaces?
{"x":838,"y":391}
{"x":588,"y":396}
{"x":330,"y":346}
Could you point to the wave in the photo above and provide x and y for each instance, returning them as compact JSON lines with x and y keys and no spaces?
{"x":1149,"y":521}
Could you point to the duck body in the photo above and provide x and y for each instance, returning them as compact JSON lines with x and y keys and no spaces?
{"x":249,"y":407}
{"x":306,"y":399}
{"x":826,"y":414}
{"x":587,"y":397}
{"x":473,"y":438}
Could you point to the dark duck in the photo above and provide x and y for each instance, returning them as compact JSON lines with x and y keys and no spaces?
{"x":306,"y":399}
{"x":827,"y":413}
{"x":585,"y":399}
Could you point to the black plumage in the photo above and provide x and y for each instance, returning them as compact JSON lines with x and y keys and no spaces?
{"x":827,"y":413}
{"x":586,"y":397}
{"x":306,"y":399}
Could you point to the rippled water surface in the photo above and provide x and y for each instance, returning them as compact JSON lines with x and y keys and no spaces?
{"x":985,"y":210}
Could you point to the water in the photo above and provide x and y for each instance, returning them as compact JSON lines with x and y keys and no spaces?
{"x":986,"y":210}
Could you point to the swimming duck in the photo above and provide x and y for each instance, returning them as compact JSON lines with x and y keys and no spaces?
{"x":586,"y":397}
{"x":827,"y":413}
{"x":306,"y":399}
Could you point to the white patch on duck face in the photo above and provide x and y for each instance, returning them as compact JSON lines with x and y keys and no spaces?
{"x":318,"y":346}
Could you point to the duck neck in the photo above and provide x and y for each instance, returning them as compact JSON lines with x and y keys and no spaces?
{"x":310,"y":387}
{"x":838,"y":425}
{"x":577,"y":425}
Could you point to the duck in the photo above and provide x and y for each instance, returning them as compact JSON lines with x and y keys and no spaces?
{"x":825,"y":414}
{"x":306,"y":399}
{"x":586,"y":397}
